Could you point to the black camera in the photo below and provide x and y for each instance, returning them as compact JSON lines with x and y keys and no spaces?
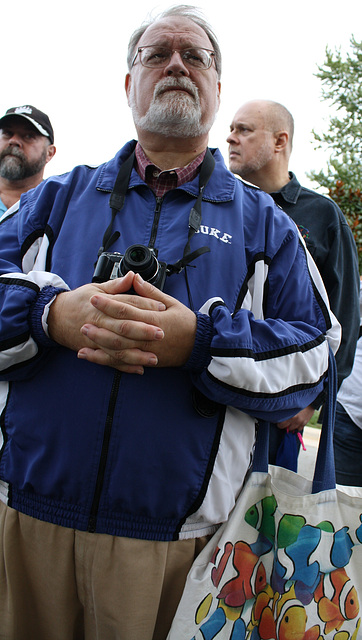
{"x":137,"y":258}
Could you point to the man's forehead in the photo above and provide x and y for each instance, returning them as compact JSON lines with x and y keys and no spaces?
{"x":253,"y":117}
{"x":172,"y":28}
{"x":17,"y":123}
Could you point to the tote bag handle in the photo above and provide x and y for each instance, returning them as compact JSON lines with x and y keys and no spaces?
{"x":324,"y":473}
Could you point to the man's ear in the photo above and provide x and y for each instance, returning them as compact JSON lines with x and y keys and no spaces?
{"x":127,"y":84}
{"x":51,"y":149}
{"x":218,"y":91}
{"x":281,"y":140}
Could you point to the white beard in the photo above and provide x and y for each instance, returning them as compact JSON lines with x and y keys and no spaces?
{"x":172,"y":113}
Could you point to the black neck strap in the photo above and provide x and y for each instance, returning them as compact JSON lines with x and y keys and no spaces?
{"x":116,"y":201}
{"x":206,"y":170}
{"x":117,"y":198}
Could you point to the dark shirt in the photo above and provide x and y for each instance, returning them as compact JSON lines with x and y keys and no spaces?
{"x":331,"y":244}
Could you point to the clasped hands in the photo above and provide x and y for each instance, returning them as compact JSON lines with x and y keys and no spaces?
{"x":108,"y":326}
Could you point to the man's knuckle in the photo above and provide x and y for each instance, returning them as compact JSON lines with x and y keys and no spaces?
{"x":123,"y":328}
{"x":120,"y":356}
{"x":121,"y":312}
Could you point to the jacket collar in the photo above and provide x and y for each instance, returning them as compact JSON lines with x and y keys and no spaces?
{"x":291,"y":191}
{"x":221,"y":187}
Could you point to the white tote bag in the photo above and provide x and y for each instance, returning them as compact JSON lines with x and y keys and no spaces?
{"x":288,"y":563}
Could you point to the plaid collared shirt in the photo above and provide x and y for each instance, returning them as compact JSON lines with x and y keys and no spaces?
{"x":162,"y":181}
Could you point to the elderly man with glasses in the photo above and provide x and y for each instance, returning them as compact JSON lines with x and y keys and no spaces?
{"x":153,"y":309}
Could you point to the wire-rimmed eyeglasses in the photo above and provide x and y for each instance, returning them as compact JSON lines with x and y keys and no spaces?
{"x":153,"y":57}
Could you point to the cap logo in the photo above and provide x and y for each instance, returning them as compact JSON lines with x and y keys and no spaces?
{"x":23,"y":110}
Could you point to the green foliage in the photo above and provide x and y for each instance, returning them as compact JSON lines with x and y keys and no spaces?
{"x":342,"y":86}
{"x":350,"y":201}
{"x":314,"y":421}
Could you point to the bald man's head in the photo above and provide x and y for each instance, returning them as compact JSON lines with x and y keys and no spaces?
{"x":277,"y":118}
{"x":261,"y":135}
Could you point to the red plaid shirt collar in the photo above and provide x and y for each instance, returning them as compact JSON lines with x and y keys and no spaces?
{"x":162,"y":181}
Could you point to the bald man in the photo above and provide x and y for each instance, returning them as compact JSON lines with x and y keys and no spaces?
{"x":260,"y":145}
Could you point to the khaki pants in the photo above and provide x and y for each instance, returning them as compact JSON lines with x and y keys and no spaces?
{"x":61,"y":584}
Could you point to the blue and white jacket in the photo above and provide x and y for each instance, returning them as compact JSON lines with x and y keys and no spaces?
{"x":160,"y":456}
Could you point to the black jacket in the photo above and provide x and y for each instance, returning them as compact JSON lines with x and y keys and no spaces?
{"x":331,"y":244}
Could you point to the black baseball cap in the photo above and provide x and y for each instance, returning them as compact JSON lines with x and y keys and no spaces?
{"x":37,"y":118}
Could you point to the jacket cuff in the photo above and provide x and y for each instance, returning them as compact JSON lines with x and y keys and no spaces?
{"x":39,"y":313}
{"x":317,"y":403}
{"x":200,"y":357}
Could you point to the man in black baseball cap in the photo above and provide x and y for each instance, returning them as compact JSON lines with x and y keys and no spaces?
{"x":26,"y":146}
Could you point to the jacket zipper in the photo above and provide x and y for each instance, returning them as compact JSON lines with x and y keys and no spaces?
{"x":92,"y":522}
{"x":156,"y":219}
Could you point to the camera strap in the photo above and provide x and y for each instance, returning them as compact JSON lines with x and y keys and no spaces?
{"x":206,"y":170}
{"x":117,"y":198}
{"x":116,"y":201}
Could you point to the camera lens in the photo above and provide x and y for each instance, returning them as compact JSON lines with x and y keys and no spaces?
{"x":137,"y":254}
{"x":139,"y":259}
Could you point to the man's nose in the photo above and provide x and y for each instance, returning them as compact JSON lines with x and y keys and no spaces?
{"x":232,"y":138}
{"x":15,"y":140}
{"x":176,"y":66}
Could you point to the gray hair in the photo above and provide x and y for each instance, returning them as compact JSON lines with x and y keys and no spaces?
{"x":183,"y":11}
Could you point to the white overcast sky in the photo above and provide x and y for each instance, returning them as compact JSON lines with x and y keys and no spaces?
{"x":69,"y":59}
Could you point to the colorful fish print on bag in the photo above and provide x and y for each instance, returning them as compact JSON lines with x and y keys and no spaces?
{"x":292,"y":574}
